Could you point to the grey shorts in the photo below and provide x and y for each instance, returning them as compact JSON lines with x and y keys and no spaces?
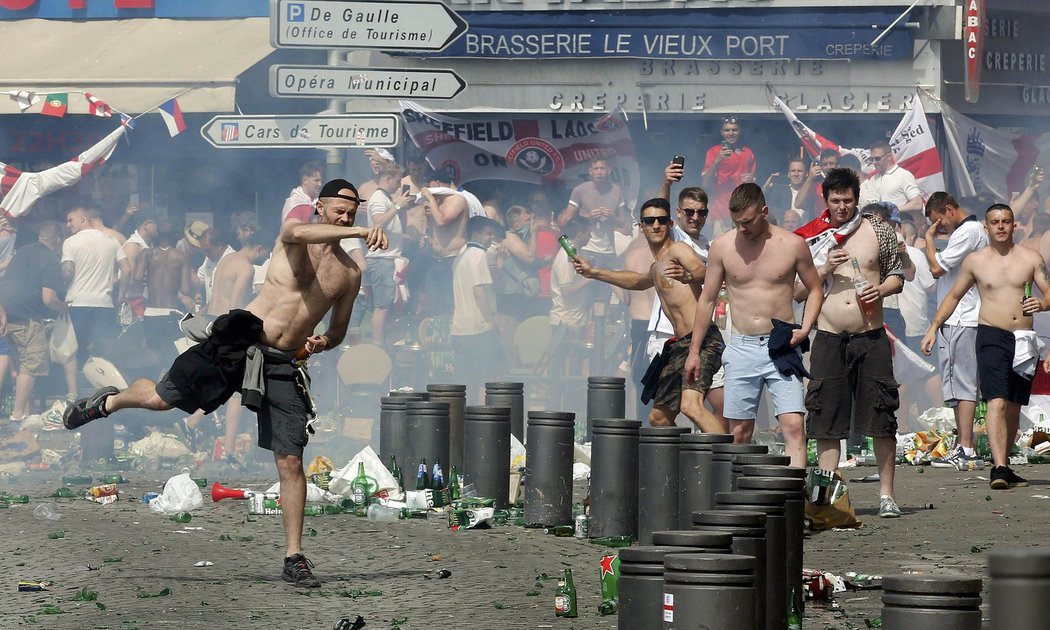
{"x":957,"y":355}
{"x":283,"y":415}
{"x":379,"y":275}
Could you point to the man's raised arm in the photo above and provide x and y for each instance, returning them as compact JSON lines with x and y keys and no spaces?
{"x":293,"y":231}
{"x":630,"y":280}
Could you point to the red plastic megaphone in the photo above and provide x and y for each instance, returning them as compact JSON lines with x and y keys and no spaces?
{"x":219,"y":492}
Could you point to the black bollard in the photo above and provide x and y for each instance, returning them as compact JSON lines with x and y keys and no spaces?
{"x":393,"y":424}
{"x":426,"y":437}
{"x":749,"y":539}
{"x":456,"y":397}
{"x":794,"y":513}
{"x":710,"y":542}
{"x":738,"y":462}
{"x":614,"y":478}
{"x":605,"y":399}
{"x":486,"y":451}
{"x":510,"y":395}
{"x":641,"y":586}
{"x":658,"y":480}
{"x":950,"y":601}
{"x":1020,"y":585}
{"x":695,"y":492}
{"x":409,"y":395}
{"x":778,"y":587}
{"x":722,"y":463}
{"x":774,"y":471}
{"x":708,"y":591}
{"x":548,"y":468}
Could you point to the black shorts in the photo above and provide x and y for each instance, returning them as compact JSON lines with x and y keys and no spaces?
{"x":196,"y":380}
{"x":283,"y":414}
{"x":995,"y":366}
{"x":851,"y":378}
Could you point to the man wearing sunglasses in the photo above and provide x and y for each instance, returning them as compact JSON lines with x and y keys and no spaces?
{"x":890,"y":182}
{"x":726,"y":166}
{"x":663,"y":382}
{"x":759,"y":263}
{"x":264,"y":347}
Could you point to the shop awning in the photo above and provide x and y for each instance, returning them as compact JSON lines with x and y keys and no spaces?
{"x":133,"y":65}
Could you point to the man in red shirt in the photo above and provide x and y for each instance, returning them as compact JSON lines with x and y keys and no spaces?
{"x":726,"y":166}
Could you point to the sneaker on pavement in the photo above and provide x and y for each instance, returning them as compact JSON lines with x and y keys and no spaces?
{"x":85,"y":410}
{"x":888,"y":508}
{"x":297,"y":571}
{"x":1002,"y":478}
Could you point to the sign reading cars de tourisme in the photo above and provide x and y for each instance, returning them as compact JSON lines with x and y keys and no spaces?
{"x":289,"y":131}
{"x":427,"y":25}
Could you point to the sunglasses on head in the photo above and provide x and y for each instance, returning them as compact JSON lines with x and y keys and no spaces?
{"x":689,"y":212}
{"x":652,"y":220}
{"x":730,"y":119}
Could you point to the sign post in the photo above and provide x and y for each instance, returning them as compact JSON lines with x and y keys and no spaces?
{"x":290,"y":131}
{"x":427,"y":25}
{"x":350,"y":82}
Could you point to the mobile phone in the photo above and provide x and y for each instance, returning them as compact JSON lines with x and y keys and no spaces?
{"x":405,"y":189}
{"x":725,"y":144}
{"x":133,"y":199}
{"x":679,"y":161}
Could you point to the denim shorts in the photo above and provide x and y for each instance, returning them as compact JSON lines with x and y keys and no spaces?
{"x":749,"y":369}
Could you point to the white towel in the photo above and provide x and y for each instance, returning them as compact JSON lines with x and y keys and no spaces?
{"x":1028,"y":347}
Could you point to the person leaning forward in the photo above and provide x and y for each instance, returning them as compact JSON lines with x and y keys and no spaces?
{"x":309,"y":274}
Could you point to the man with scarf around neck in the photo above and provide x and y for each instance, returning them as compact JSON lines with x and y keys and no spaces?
{"x":851,"y":366}
{"x":759,"y":263}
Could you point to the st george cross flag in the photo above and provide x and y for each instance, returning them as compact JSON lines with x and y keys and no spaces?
{"x":97,"y":108}
{"x":21,"y":189}
{"x":172,"y":115}
{"x":55,"y":105}
{"x":24,"y":98}
{"x":815,"y":143}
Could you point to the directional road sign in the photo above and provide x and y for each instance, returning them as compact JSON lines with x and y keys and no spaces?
{"x":273,"y":132}
{"x":427,"y":25}
{"x":347,"y":82}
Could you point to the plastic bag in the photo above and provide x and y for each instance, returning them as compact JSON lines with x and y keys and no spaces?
{"x":827,"y":501}
{"x":386,"y":485}
{"x":181,"y":494}
{"x":63,"y":343}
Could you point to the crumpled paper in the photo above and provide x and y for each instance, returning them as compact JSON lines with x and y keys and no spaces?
{"x":159,"y":444}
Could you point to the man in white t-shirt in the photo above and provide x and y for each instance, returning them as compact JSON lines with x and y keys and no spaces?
{"x":890,"y":182}
{"x":477,"y":353}
{"x":135,"y":251}
{"x":957,"y":338}
{"x":384,"y":210}
{"x":90,"y":261}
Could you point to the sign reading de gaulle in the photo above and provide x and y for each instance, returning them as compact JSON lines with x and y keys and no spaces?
{"x":426,"y":25}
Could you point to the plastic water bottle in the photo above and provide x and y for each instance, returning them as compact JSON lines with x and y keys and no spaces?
{"x":377,"y":512}
{"x":44,"y":513}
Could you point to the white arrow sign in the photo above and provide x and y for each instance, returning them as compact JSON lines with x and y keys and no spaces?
{"x":346,"y":82}
{"x":371,"y":25}
{"x":280,"y":131}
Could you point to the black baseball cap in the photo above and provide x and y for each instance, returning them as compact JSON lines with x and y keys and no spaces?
{"x":332,"y":188}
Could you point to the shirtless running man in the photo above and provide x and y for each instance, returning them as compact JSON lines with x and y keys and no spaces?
{"x":309,"y":275}
{"x":758,"y":263}
{"x":1000,"y":272}
{"x":678,"y":302}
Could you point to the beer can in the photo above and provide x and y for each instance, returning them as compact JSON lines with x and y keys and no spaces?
{"x":581,"y":526}
{"x":104,"y":490}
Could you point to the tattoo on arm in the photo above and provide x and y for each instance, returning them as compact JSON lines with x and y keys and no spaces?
{"x":1042,"y":270}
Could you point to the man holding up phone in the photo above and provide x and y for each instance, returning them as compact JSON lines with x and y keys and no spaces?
{"x":726,"y":166}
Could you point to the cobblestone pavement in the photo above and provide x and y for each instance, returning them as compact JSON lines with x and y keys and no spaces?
{"x":126,"y":553}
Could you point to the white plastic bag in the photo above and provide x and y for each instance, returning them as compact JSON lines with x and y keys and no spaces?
{"x":63,"y":343}
{"x":386,"y":485}
{"x":181,"y":494}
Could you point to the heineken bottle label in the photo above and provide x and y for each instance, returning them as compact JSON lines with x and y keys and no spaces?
{"x":561,"y":604}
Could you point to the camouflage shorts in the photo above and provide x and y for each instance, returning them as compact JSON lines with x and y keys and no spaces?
{"x":672,"y":377}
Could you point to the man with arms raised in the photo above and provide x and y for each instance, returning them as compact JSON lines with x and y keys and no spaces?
{"x":758,"y":263}
{"x":1004,"y":326}
{"x":851,"y":368}
{"x":664,"y":380}
{"x":309,"y":275}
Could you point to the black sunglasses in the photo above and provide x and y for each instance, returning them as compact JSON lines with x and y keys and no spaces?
{"x":660,"y":220}
{"x":694,"y":212}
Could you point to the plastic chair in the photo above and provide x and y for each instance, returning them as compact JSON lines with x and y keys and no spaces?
{"x":365,"y":368}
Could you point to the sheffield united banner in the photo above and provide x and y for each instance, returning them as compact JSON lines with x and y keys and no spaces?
{"x":524,"y":149}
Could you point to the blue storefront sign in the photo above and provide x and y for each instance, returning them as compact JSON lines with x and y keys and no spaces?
{"x":751,"y":34}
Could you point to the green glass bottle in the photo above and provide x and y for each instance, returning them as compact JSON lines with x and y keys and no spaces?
{"x":359,"y":487}
{"x":454,"y":490}
{"x":16,"y":498}
{"x":62,"y":493}
{"x":115,"y":478}
{"x":332,"y":509}
{"x":561,"y":531}
{"x":313,"y":510}
{"x":565,"y":597}
{"x":182,"y":517}
{"x":794,"y":617}
{"x":613,"y":541}
{"x":202,"y":482}
{"x":422,"y":476}
{"x":567,"y":245}
{"x":607,"y":607}
{"x":76,"y":480}
{"x":395,"y":470}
